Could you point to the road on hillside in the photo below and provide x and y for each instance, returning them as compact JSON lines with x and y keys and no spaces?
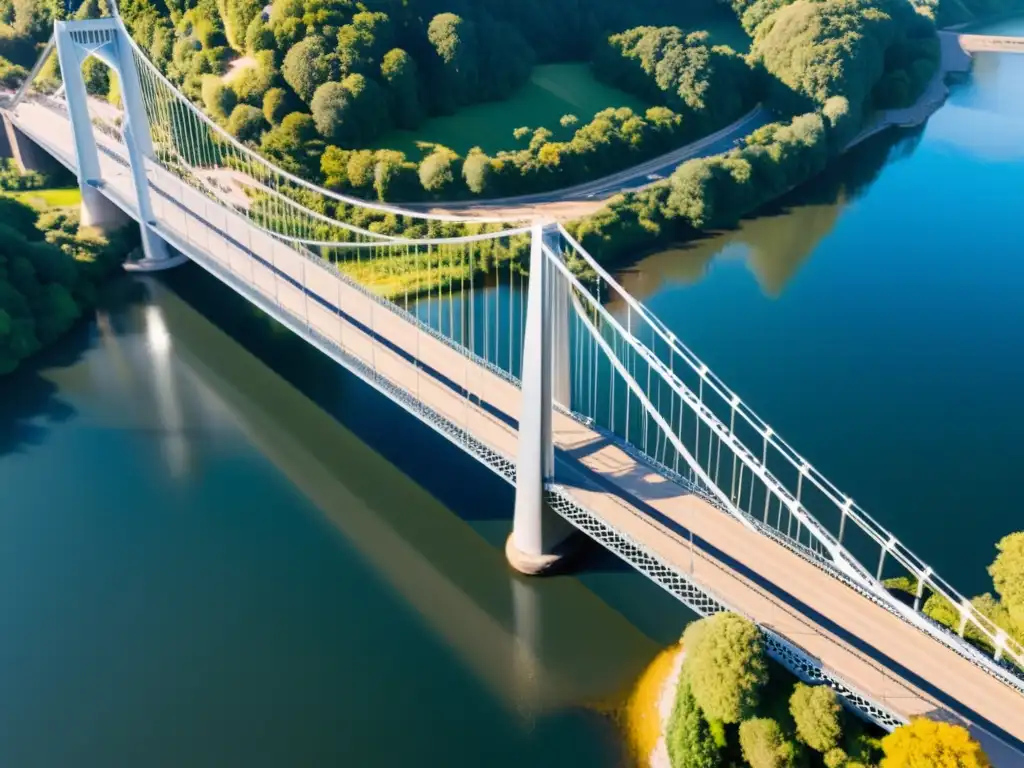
{"x":593,"y":193}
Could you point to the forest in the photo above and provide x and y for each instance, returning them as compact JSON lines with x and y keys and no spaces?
{"x":828,"y":66}
{"x":321,"y":77}
{"x":50,"y":270}
{"x":312,"y":83}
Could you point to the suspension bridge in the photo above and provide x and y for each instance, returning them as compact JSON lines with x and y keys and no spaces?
{"x":511,"y":341}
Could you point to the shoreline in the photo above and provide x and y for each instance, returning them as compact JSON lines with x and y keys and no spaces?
{"x":953,"y":60}
{"x":649,"y":706}
{"x":659,"y":757}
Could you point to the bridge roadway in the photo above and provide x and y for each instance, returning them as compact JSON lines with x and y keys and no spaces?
{"x":991,"y":44}
{"x":858,"y":642}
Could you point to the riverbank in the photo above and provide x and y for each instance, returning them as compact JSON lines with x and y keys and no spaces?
{"x":649,"y":707}
{"x":953,"y":60}
{"x":54,"y":268}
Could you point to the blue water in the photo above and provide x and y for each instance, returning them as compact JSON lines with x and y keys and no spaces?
{"x":218,"y":549}
{"x":875,"y":320}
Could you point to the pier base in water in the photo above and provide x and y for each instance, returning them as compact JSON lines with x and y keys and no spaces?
{"x":550,"y":561}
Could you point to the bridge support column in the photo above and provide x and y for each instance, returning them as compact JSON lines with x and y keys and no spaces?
{"x":561,"y":307}
{"x":25,"y":153}
{"x":106,"y":39}
{"x":538,"y":540}
{"x":156,"y":255}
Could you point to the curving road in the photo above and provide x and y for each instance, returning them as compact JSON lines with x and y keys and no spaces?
{"x":591,"y":195}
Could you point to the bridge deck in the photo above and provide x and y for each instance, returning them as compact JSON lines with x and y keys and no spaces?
{"x":866,"y":646}
{"x":992,"y":44}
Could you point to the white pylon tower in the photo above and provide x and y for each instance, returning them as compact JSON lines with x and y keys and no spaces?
{"x":106,"y":39}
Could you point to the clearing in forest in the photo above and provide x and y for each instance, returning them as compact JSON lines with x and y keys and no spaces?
{"x":553,"y":90}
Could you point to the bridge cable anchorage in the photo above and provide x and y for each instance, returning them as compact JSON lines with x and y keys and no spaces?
{"x":616,"y":367}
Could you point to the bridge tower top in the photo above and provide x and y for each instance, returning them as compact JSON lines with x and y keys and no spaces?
{"x":107,"y":40}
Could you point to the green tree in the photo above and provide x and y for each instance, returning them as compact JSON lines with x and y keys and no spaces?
{"x":294,"y":144}
{"x":277,"y":102}
{"x":246,"y":123}
{"x":350,"y":112}
{"x":254,"y":82}
{"x":258,"y":37}
{"x":218,"y":98}
{"x":307,"y":66}
{"x":688,"y":735}
{"x":1007,"y":574}
{"x":97,"y":76}
{"x":476,"y":171}
{"x":237,"y":16}
{"x":765,"y":746}
{"x":334,"y":167}
{"x":454,"y":42}
{"x":568,"y":121}
{"x":398,"y":69}
{"x":362,"y":43}
{"x":816,"y":712}
{"x":925,"y":743}
{"x":726,"y":666}
{"x":361,"y":169}
{"x":394,"y":177}
{"x":437,"y":171}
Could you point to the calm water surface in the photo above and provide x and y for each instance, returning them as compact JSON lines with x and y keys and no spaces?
{"x":876,"y":320}
{"x":218,"y":549}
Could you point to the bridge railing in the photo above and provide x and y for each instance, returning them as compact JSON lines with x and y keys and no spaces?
{"x":679,"y":415}
{"x":660,"y":400}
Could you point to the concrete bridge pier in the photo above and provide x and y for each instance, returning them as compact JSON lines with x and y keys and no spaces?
{"x":540,"y":537}
{"x":28,"y":155}
{"x":98,"y":212}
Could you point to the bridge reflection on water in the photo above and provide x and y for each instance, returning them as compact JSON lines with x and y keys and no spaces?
{"x":647,"y":466}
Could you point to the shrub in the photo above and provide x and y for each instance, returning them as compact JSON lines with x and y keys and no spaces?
{"x":11,"y":75}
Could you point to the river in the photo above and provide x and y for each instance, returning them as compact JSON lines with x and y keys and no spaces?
{"x":216,"y":548}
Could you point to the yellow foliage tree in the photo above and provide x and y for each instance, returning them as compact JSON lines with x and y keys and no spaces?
{"x":927,"y":744}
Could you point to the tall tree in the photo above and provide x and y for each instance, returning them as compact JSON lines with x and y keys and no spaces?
{"x":726,"y":666}
{"x":1008,"y":576}
{"x":307,"y":66}
{"x":399,"y":72}
{"x":925,"y":743}
{"x":816,"y":712}
{"x":454,"y":42}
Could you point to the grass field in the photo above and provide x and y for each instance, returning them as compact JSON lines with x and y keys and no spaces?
{"x":553,"y":90}
{"x":44,"y":199}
